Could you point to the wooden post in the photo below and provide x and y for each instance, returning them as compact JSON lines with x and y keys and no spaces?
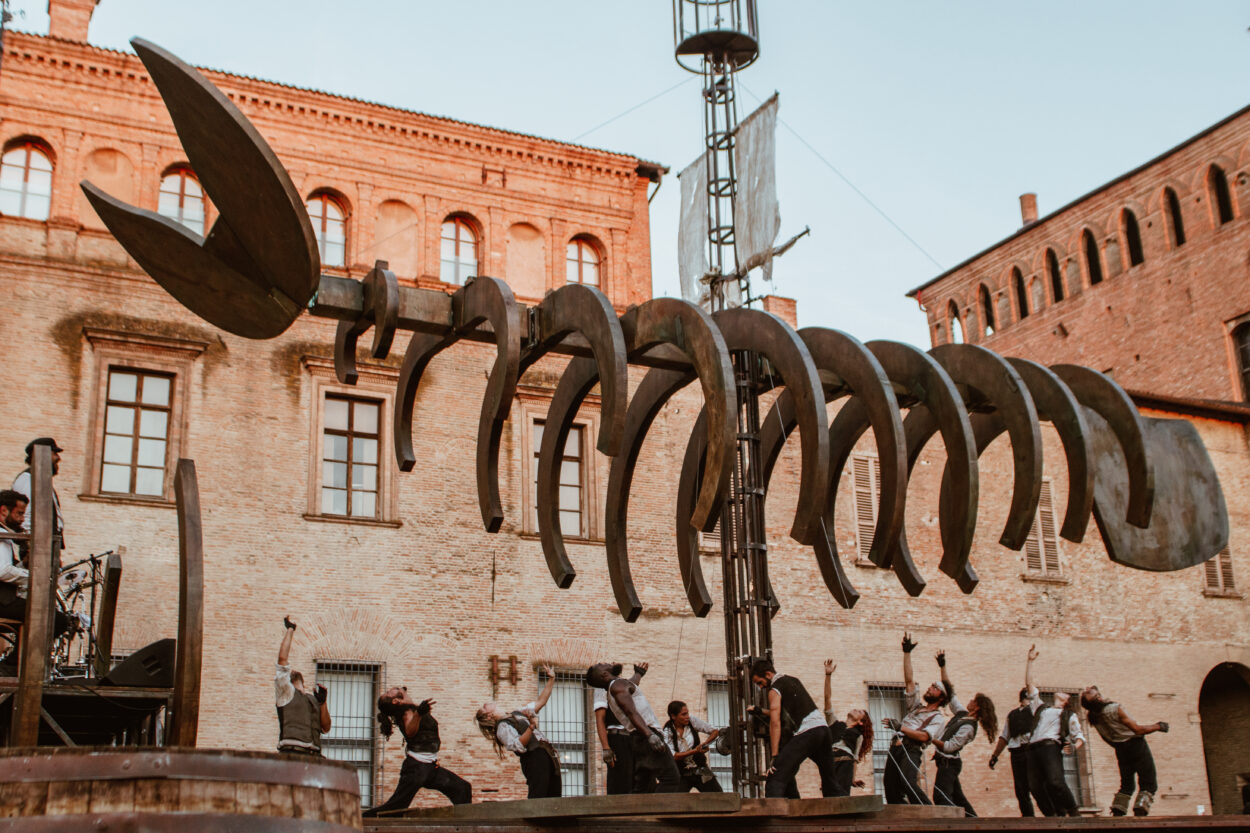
{"x":33,"y":665}
{"x":102,"y":661}
{"x":184,"y":723}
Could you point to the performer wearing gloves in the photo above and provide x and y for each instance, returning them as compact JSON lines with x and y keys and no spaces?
{"x":960,"y":731}
{"x":654,"y":768}
{"x":1132,"y":753}
{"x":302,"y":717}
{"x":913,"y":733}
{"x":616,"y":748}
{"x":791,"y":705}
{"x":421,"y":745}
{"x":1015,"y":739}
{"x":682,"y":734}
{"x":517,"y":731}
{"x":1056,"y":730}
{"x":851,"y":738}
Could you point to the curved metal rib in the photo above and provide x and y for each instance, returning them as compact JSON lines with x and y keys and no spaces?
{"x":1100,"y":394}
{"x":491,"y":300}
{"x":687,"y":536}
{"x":422,"y":347}
{"x":259,"y":266}
{"x":1058,"y":405}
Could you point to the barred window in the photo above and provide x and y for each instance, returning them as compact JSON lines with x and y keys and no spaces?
{"x":1218,"y":573}
{"x":718,"y":715}
{"x":884,"y":700}
{"x":136,"y":432}
{"x":349,"y":464}
{"x":1041,"y":548}
{"x":353,"y":692}
{"x":565,"y":723}
{"x":866,"y":471}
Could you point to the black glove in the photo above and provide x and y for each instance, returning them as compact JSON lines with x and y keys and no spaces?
{"x":423,"y":708}
{"x":286,"y":620}
{"x":1163,"y":727}
{"x":941,"y":658}
{"x":993,"y":761}
{"x":908,"y":645}
{"x":320,"y":693}
{"x":893,"y":723}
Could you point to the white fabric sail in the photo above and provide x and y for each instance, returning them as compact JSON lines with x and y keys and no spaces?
{"x":692,"y":262}
{"x":757,"y":217}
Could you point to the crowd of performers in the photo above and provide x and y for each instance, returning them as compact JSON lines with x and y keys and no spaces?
{"x":644,"y":755}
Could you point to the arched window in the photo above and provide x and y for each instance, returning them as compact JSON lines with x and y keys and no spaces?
{"x":1217,"y":184}
{"x":1022,"y":298}
{"x":1241,"y":343}
{"x":957,"y":329}
{"x":1173,"y":204}
{"x":182,"y":199}
{"x":1132,"y":237}
{"x":1093,"y":265}
{"x":1056,"y":277}
{"x":329,"y":222}
{"x":987,"y":309}
{"x":582,"y":262}
{"x":459,"y":250}
{"x":26,"y":180}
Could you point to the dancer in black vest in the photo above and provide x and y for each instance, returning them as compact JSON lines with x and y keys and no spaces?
{"x":1056,"y":732}
{"x":421,"y":745}
{"x":517,"y":731}
{"x":682,"y":733}
{"x":1132,"y":754}
{"x":959,"y":731}
{"x":851,"y":739}
{"x":1015,"y":739}
{"x":302,"y":717}
{"x":922,"y":722}
{"x":789,"y":704}
{"x":615,"y":745}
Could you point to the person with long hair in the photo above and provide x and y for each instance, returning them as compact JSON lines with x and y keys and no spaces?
{"x":421,"y":745}
{"x":681,"y":733}
{"x":517,"y":731}
{"x":851,"y":739}
{"x":1015,"y":739}
{"x":959,"y":731}
{"x":1056,"y":732}
{"x":1132,"y":753}
{"x":919,"y":726}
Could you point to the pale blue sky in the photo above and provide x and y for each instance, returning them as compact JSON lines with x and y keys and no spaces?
{"x":942,"y":113}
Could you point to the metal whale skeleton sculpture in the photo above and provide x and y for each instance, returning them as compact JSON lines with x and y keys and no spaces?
{"x":1149,"y":483}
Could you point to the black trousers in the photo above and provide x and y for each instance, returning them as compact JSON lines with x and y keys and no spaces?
{"x":1046,"y":778}
{"x":621,"y":774}
{"x":843,"y":774}
{"x":902,"y":771}
{"x":1134,"y":759}
{"x":694,"y":781}
{"x":1020,"y":779}
{"x":414,"y":775}
{"x":542,"y":775}
{"x":946,"y":787}
{"x":813,"y":745}
{"x":654,"y":769}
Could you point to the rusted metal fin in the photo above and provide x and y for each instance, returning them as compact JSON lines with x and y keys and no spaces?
{"x":579,"y":378}
{"x":490,"y":300}
{"x":687,"y":536}
{"x":380,"y":310}
{"x":657,"y":387}
{"x":260,"y":265}
{"x":690,"y":329}
{"x":994,"y":388}
{"x":577,"y":308}
{"x":1058,"y":405}
{"x":422,"y":348}
{"x":1097,"y":392}
{"x":770,"y":337}
{"x":184,"y":720}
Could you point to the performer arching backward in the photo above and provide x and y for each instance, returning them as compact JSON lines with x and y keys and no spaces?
{"x":302,"y":717}
{"x":790,"y":705}
{"x":421,"y":745}
{"x":1015,"y":739}
{"x":517,"y":731}
{"x":851,"y":738}
{"x":1132,"y":753}
{"x":959,"y":731}
{"x":617,"y":749}
{"x":1056,"y":732}
{"x":654,"y":768}
{"x":922,"y":722}
{"x":689,"y":737}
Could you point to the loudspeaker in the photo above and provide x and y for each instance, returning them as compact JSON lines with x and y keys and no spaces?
{"x":150,"y":666}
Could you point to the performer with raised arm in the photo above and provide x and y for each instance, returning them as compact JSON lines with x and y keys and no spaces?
{"x":614,"y":743}
{"x":682,"y":734}
{"x":1056,"y":732}
{"x":302,"y":717}
{"x":959,"y":731}
{"x":851,"y":738}
{"x":1132,"y":753}
{"x":421,"y":745}
{"x":912,"y":734}
{"x":654,"y":768}
{"x":517,"y":731}
{"x":791,"y":705}
{"x":1015,"y":739}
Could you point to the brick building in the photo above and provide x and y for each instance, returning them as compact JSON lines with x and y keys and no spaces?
{"x":391,"y":575}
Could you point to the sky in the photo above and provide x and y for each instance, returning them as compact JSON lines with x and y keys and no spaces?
{"x":908,"y":129}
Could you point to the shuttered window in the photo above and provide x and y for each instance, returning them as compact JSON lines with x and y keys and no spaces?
{"x":710,"y":541}
{"x":1219,"y":574}
{"x":1041,"y":549}
{"x":866,"y":471}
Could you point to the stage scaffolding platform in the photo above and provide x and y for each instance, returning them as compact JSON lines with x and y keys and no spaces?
{"x":82,"y":712}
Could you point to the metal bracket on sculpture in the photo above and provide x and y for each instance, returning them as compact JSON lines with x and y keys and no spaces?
{"x":381,"y":311}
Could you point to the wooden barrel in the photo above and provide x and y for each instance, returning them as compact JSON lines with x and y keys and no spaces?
{"x":122,"y":789}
